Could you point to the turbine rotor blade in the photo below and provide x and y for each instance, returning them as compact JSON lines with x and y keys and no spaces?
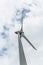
{"x":21,"y":52}
{"x":28,"y":41}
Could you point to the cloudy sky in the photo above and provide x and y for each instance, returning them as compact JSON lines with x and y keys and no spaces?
{"x":33,"y":28}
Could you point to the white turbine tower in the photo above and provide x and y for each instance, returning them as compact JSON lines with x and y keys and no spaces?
{"x":21,"y":34}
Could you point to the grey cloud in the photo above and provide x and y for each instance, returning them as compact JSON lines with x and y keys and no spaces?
{"x":3,"y":51}
{"x":4,"y":35}
{"x":21,"y":14}
{"x":6,"y":28}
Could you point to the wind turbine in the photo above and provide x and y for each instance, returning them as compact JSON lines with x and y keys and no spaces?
{"x":20,"y":35}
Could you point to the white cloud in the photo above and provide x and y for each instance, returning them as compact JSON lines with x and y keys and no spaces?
{"x":33,"y":28}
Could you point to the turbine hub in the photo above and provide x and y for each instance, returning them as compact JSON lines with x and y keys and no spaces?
{"x":20,"y":32}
